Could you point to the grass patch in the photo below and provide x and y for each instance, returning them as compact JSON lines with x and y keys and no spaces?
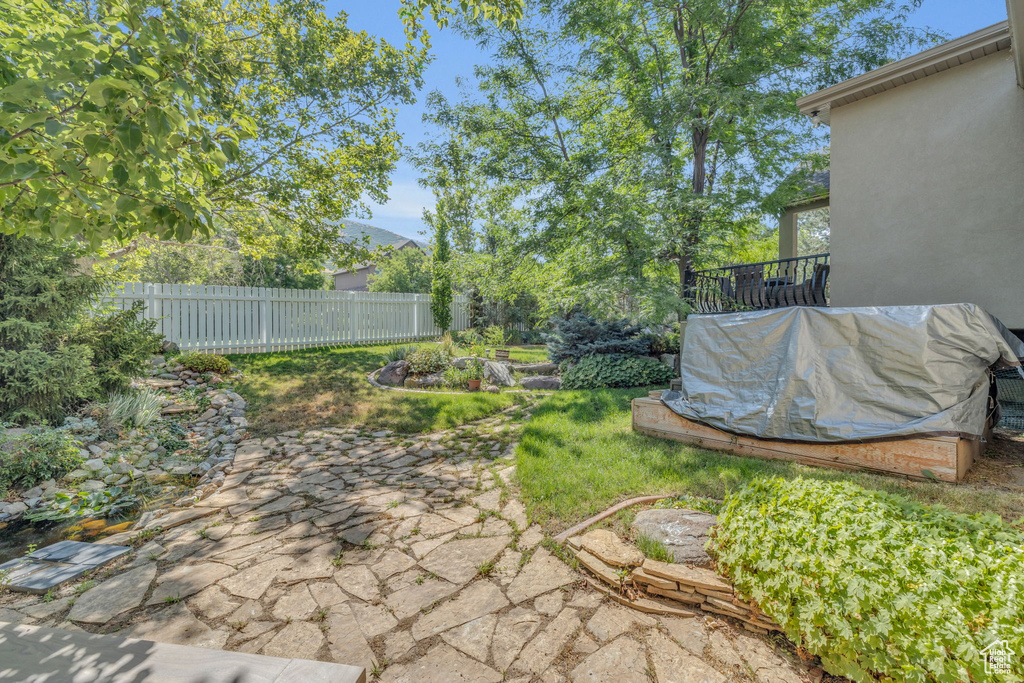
{"x":653,"y":549}
{"x":579,"y":455}
{"x":327,"y":386}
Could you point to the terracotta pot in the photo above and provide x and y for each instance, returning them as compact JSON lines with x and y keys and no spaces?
{"x":474,"y":385}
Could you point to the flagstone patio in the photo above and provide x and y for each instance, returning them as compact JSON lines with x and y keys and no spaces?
{"x":411,"y":557}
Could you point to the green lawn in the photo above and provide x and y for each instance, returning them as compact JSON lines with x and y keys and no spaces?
{"x":579,"y":455}
{"x":327,"y":386}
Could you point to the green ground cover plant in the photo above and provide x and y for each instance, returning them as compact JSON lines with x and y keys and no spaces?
{"x":598,"y":372}
{"x":879,"y":586}
{"x":205,"y":362}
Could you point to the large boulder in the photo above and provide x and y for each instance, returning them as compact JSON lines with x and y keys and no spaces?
{"x":433,"y":380}
{"x":684,"y":533}
{"x":541,"y":382}
{"x":394,"y":373}
{"x":462,"y":361}
{"x":536,"y":368}
{"x":498,"y":374}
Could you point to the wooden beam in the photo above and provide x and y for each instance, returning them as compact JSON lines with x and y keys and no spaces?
{"x":946,"y":458}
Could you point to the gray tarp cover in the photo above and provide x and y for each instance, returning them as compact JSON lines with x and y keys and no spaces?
{"x":842,"y":374}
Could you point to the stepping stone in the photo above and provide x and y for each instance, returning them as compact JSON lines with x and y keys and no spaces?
{"x":187,"y":580}
{"x":611,"y":621}
{"x":474,"y":601}
{"x":55,"y":564}
{"x":610,"y":549}
{"x":544,"y":572}
{"x":442,"y":664}
{"x":473,"y":637}
{"x":397,"y":643}
{"x":690,"y":633}
{"x":684,"y":533}
{"x":621,"y":661}
{"x":408,"y":601}
{"x":458,"y":561}
{"x":392,"y":562}
{"x":253,"y":582}
{"x":214,"y":602}
{"x":373,"y":619}
{"x":177,"y":625}
{"x":117,"y":595}
{"x":298,"y":639}
{"x":326,"y":593}
{"x":673,"y":664}
{"x":549,"y":605}
{"x":297,"y":604}
{"x":691,"y":576}
{"x":346,"y":641}
{"x":514,"y":628}
{"x":537,"y":656}
{"x":358,"y":580}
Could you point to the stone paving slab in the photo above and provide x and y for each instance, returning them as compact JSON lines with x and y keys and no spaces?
{"x":57,"y":564}
{"x":40,"y":653}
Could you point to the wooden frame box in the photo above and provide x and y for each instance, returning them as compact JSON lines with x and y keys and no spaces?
{"x":947,"y":458}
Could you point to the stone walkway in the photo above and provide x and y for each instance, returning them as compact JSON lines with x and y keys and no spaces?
{"x":411,"y":557}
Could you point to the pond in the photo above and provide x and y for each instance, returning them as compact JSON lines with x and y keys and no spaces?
{"x":21,"y":536}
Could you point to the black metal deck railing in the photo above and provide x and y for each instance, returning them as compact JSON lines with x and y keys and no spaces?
{"x":800,"y":281}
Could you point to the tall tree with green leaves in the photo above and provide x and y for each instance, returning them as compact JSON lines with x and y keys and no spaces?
{"x":157,"y":120}
{"x":644,"y":134}
{"x":441,"y":293}
{"x":405,"y":271}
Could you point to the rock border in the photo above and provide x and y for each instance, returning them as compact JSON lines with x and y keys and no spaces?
{"x":372,"y":379}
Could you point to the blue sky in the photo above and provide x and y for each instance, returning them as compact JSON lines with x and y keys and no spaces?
{"x":455,"y":57}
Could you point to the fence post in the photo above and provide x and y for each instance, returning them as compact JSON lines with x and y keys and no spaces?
{"x":416,"y":317}
{"x":150,"y":301}
{"x":264,"y":314}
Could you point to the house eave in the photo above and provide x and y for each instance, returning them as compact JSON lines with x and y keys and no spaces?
{"x":940,"y":58}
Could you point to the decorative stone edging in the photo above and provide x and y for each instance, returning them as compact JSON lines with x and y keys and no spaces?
{"x":372,"y":379}
{"x":648,"y":582}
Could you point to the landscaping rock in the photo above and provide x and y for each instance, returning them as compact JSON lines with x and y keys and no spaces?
{"x":683,"y":532}
{"x":394,"y":373}
{"x":535,"y":368}
{"x":544,"y":382}
{"x":608,"y":547}
{"x":492,"y":389}
{"x":433,"y":380}
{"x":102,"y":603}
{"x":498,"y":374}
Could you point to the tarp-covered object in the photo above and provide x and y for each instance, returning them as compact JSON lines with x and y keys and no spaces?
{"x":843,"y":374}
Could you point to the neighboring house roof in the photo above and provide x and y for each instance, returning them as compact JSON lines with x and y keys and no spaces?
{"x":940,"y":58}
{"x":818,"y":184}
{"x":354,"y":231}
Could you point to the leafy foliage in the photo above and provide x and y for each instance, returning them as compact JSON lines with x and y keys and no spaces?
{"x":581,"y":335}
{"x":42,"y":297}
{"x":103,"y":137}
{"x":666,"y":341}
{"x":394,"y":353}
{"x":122,"y":344}
{"x":134,"y":408}
{"x":405,"y":271}
{"x":441,"y":282}
{"x":205,"y":362}
{"x":427,"y":359}
{"x":106,"y":503}
{"x":615,"y":371}
{"x":39,"y":454}
{"x":880,"y":587}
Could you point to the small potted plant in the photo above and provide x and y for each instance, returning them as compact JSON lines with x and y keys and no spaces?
{"x":474,"y":373}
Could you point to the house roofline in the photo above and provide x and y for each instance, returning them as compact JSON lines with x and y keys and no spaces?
{"x":965,"y":49}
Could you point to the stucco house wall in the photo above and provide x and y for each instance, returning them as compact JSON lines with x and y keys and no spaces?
{"x":927,"y":192}
{"x":353,"y":281}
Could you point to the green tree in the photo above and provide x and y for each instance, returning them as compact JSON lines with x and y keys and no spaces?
{"x":42,"y":298}
{"x":143,"y":120}
{"x":643,"y":135}
{"x":405,"y":271}
{"x":441,"y":289}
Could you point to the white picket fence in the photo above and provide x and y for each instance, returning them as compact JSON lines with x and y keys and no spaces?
{"x":224,"y":319}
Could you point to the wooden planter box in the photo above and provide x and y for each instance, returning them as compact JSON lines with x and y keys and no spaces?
{"x":946,"y":457}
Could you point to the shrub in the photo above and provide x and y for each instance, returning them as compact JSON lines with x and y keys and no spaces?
{"x":397,"y":353}
{"x":205,"y":362}
{"x":427,"y":359}
{"x":43,"y":296}
{"x":122,"y":344}
{"x":38,"y":454}
{"x":879,"y":587}
{"x":581,"y":335}
{"x":135,"y":408}
{"x":664,"y":342}
{"x":454,"y":378}
{"x":495,"y":336}
{"x":595,"y":372}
